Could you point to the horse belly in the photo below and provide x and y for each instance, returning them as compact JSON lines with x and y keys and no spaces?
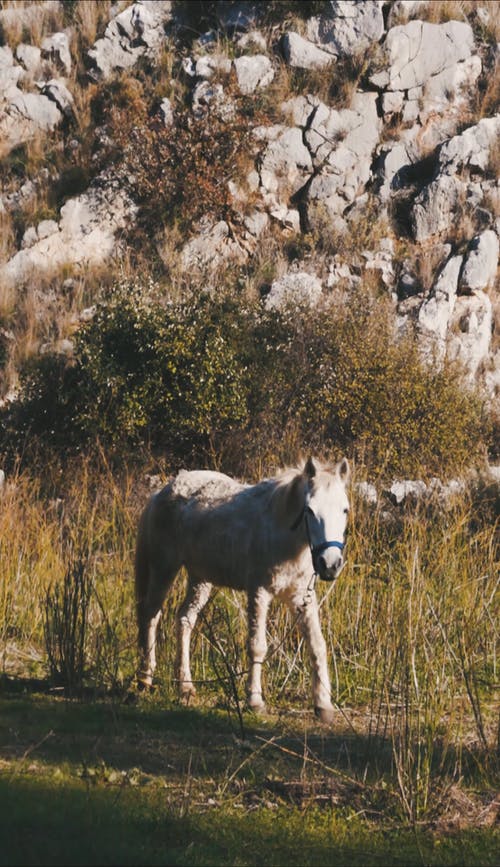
{"x":217,"y":562}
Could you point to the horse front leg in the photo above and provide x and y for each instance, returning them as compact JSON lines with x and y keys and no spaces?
{"x":196,"y":599}
{"x":310,"y":627}
{"x":258,"y":606}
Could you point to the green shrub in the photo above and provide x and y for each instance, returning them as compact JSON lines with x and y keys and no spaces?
{"x":213,"y":376}
{"x":144,"y":372}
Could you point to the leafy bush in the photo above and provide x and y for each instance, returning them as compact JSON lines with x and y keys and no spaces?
{"x":144,"y":372}
{"x":210,"y":375}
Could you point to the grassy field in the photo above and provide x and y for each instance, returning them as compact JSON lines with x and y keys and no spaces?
{"x":102,"y":783}
{"x":407,"y":774}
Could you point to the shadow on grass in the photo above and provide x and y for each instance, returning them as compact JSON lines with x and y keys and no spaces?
{"x":42,"y":822}
{"x":163,"y":739}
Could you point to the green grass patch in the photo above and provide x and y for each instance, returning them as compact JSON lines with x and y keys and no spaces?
{"x":106,"y":783}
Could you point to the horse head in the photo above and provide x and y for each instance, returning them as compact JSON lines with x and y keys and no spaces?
{"x":325,"y":514}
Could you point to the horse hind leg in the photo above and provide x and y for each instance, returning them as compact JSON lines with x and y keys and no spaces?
{"x":197,"y":597}
{"x":152,"y":584}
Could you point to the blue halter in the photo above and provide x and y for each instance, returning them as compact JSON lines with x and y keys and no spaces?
{"x":316,"y":550}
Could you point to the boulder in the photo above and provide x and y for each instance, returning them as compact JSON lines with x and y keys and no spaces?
{"x":136,"y":32}
{"x":481,"y":262}
{"x":436,"y":206}
{"x":29,"y":56}
{"x":10,"y":73}
{"x":298,"y":289}
{"x":57,"y":92}
{"x":300,"y":53}
{"x":208,"y":65}
{"x":471,"y":149}
{"x":471,"y":328}
{"x":347,"y":27}
{"x":341,"y":145}
{"x":435,"y":313}
{"x":212,"y":246}
{"x":84,"y":235}
{"x":286,"y":163}
{"x":419,"y":50}
{"x":25,"y":115}
{"x":253,"y":72}
{"x":56,"y":49}
{"x":407,"y":491}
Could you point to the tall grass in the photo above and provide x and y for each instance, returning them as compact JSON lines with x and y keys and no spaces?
{"x":411,"y":625}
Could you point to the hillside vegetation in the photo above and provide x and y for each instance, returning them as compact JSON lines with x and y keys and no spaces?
{"x":232,"y":235}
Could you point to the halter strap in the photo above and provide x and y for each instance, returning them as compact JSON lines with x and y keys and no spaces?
{"x":316,"y":550}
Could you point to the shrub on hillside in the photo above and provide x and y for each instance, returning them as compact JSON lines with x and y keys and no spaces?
{"x":143,"y":373}
{"x":209,"y":375}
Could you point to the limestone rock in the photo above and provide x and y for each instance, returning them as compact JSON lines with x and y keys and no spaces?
{"x":166,"y":111}
{"x":85,"y":233}
{"x":10,"y":73}
{"x":253,"y":71}
{"x":209,"y":64}
{"x":435,"y":314}
{"x":213,"y":245}
{"x":348,"y":26}
{"x":437,"y":204}
{"x":57,"y":92}
{"x":434,"y":208}
{"x":419,"y":50}
{"x":295,"y":289}
{"x":481,"y":263}
{"x":470,"y":149}
{"x":29,"y":56}
{"x":24,"y":116}
{"x":406,"y":491}
{"x":300,"y":53}
{"x":341,"y":145}
{"x":56,"y":49}
{"x":367,"y":492}
{"x":136,"y":32}
{"x":471,"y":328}
{"x":286,"y":162}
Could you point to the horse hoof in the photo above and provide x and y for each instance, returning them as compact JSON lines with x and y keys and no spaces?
{"x":325,"y":714}
{"x":257,"y":707}
{"x":145,"y":686}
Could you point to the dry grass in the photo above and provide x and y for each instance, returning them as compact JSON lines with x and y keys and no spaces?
{"x":411,"y":625}
{"x":25,"y":21}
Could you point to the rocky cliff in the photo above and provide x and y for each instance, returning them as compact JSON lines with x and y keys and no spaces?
{"x":362,"y":137}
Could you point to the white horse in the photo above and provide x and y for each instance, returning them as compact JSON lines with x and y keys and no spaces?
{"x":268,"y":539}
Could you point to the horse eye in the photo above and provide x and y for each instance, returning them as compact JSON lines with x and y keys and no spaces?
{"x":346,"y":511}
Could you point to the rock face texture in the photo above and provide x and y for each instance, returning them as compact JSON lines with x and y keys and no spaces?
{"x":347,"y":27}
{"x":138,"y":31}
{"x":372,"y":139}
{"x":84,"y":235}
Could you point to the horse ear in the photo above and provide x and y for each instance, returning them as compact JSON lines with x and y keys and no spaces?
{"x":310,"y":469}
{"x":344,"y":470}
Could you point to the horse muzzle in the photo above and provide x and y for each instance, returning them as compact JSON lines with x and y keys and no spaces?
{"x":328,"y":563}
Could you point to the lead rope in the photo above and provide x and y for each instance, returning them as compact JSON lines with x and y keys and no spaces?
{"x":309,"y":593}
